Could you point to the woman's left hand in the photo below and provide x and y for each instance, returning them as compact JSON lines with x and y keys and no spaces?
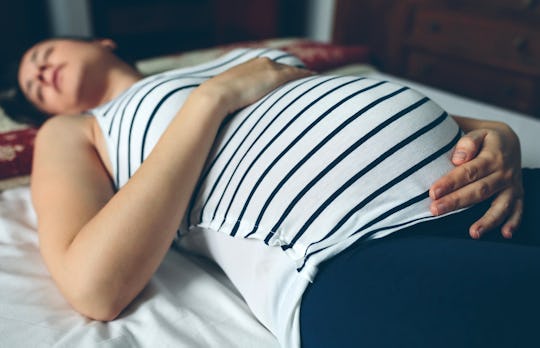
{"x":488,"y":163}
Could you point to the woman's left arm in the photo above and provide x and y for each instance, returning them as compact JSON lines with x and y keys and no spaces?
{"x":488,"y":163}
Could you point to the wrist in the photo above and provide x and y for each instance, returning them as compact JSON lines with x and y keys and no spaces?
{"x":215,"y":97}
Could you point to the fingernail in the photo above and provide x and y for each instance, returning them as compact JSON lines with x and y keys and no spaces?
{"x":479,"y":231}
{"x":438,"y":193}
{"x":459,"y":155}
{"x":441,"y":208}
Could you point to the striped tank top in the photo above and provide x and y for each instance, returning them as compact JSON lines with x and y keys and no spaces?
{"x":316,"y":165}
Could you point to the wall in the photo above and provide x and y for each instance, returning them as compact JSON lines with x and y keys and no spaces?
{"x":320,"y":16}
{"x":70,"y":17}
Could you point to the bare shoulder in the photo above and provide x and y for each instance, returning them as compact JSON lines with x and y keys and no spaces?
{"x":69,"y":182}
{"x":63,"y":127}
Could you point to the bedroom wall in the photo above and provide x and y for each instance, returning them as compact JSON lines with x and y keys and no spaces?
{"x":69,"y":17}
{"x":72,"y":17}
{"x":320,"y":19}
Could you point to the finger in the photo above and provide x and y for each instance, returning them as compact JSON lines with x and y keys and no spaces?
{"x":461,"y":177}
{"x":468,"y":146}
{"x":468,"y":195}
{"x":497,"y":213}
{"x":513,"y":222}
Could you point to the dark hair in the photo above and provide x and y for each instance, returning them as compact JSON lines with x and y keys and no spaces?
{"x":14,"y":102}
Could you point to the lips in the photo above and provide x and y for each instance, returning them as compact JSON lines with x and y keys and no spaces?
{"x":56,"y":78}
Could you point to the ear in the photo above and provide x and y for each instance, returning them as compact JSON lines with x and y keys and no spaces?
{"x":107,"y":43}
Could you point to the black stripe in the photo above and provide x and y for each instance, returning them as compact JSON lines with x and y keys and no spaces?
{"x":181,"y":74}
{"x":418,"y":198}
{"x":294,"y":141}
{"x":404,"y":205}
{"x":407,"y":173}
{"x":268,"y":144}
{"x":283,"y":129}
{"x":361,"y":173}
{"x":153,"y":114}
{"x":407,"y":203}
{"x":328,"y":168}
{"x":118,"y":139}
{"x":136,"y":111}
{"x":244,"y":138}
{"x":127,"y":96}
{"x":208,"y":168}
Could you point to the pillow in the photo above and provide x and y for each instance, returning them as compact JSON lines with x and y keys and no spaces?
{"x":322,"y":57}
{"x":16,"y":149}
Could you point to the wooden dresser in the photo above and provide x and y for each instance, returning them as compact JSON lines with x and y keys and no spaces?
{"x":484,"y":49}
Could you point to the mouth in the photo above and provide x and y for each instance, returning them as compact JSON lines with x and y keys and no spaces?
{"x":56,"y":78}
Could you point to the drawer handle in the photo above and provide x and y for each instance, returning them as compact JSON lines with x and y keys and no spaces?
{"x":520,"y":43}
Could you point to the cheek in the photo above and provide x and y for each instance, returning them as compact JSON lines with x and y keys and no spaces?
{"x":52,"y":103}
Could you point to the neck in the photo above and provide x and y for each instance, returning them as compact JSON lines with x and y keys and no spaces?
{"x":119,"y":80}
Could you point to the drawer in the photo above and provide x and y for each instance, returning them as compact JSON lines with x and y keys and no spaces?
{"x":514,"y":91}
{"x":530,"y":8}
{"x":496,"y":42}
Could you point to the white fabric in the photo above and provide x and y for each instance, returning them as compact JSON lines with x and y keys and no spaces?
{"x":265,"y":276}
{"x":188,"y":303}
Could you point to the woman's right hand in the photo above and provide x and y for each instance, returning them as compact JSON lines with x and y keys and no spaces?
{"x":246,"y":83}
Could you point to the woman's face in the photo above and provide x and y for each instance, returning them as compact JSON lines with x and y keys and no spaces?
{"x":64,"y":76}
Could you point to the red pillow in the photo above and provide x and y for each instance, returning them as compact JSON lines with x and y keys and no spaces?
{"x":319,"y":56}
{"x":16,"y":149}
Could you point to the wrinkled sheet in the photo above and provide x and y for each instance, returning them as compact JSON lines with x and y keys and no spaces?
{"x":188,"y":303}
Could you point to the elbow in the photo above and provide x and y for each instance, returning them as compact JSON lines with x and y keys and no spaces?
{"x":95,"y":303}
{"x":100,"y":313}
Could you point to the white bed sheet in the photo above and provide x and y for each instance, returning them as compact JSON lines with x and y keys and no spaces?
{"x":188,"y":303}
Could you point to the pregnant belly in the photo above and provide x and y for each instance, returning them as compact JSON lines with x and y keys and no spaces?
{"x":324,"y":159}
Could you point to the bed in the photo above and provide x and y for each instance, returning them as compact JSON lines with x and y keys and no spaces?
{"x":174,"y":309}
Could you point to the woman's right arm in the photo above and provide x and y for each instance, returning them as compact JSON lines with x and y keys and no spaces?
{"x":102,"y":248}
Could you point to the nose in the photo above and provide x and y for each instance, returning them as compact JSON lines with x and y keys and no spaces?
{"x":44,"y":74}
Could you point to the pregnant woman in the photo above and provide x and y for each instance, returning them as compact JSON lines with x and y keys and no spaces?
{"x":317,"y":195}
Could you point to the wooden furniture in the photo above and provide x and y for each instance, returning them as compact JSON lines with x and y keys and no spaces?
{"x":145,"y":28}
{"x":485,"y":49}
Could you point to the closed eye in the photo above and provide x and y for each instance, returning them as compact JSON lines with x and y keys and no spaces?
{"x":39,"y":94}
{"x":46,"y":54}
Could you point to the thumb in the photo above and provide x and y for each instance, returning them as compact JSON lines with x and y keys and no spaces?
{"x":468,"y":146}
